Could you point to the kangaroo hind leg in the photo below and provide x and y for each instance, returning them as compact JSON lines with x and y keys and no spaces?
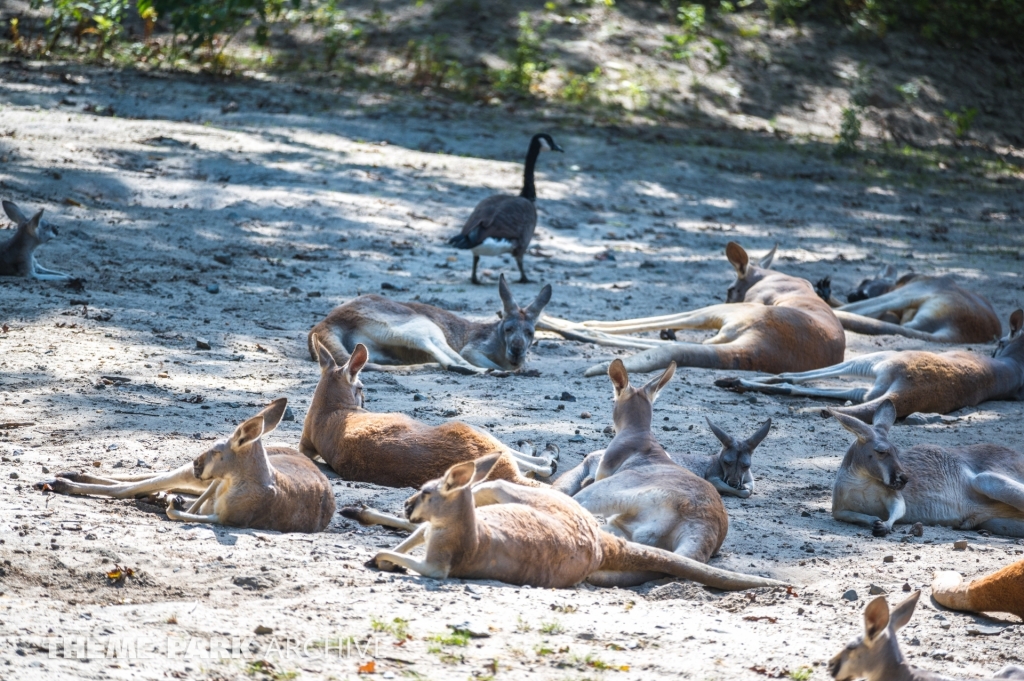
{"x":1000,"y":488}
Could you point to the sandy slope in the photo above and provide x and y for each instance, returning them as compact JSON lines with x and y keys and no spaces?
{"x":342,"y":195}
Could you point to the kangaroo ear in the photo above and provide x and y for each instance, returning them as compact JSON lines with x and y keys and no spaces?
{"x":863,"y":431}
{"x":273,"y":414}
{"x":459,"y":475}
{"x":885,"y":416}
{"x":767,"y":260}
{"x":876,"y":618}
{"x":754,"y":440}
{"x":738,"y":257}
{"x":483,"y":466}
{"x":1016,"y":322}
{"x":722,"y":436}
{"x":506,"y":297}
{"x":32,"y":225}
{"x":538,"y":304}
{"x":248,"y":432}
{"x":14,"y":213}
{"x":323,"y":355}
{"x":620,"y":379}
{"x":654,"y":386}
{"x":902,"y":613}
{"x":888,"y":272}
{"x":356,"y":361}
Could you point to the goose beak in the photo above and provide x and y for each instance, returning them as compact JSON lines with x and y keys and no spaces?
{"x":555,"y":147}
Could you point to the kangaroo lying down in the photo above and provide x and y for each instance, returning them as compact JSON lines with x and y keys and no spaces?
{"x":876,"y":655}
{"x":18,"y":254}
{"x":966,"y":488}
{"x":1001,"y":591}
{"x":414,"y":333}
{"x":239,"y":482}
{"x":913,"y":380}
{"x":391,"y":449}
{"x":525,"y":535}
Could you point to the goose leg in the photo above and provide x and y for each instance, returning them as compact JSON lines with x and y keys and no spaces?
{"x":476,"y":260}
{"x":523,"y":279}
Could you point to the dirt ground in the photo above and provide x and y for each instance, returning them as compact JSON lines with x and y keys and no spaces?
{"x":285,"y":215}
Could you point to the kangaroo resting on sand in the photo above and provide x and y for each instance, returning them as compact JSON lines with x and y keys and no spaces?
{"x":389,"y":449}
{"x":1001,"y":591}
{"x":913,"y":380}
{"x":876,"y":655}
{"x":934,"y":309}
{"x":239,"y":482}
{"x":646,"y":496}
{"x":415,"y":333}
{"x":770,"y":322}
{"x":526,"y":535}
{"x":17,"y":255}
{"x":966,"y":488}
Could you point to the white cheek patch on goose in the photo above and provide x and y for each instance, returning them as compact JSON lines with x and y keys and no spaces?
{"x":494,"y":247}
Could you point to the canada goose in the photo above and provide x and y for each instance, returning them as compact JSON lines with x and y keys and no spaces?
{"x":502,"y":223}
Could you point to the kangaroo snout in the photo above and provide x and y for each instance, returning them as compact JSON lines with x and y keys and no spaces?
{"x":899,"y":480}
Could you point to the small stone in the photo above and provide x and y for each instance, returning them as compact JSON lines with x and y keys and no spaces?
{"x":213,"y":288}
{"x":585,"y":415}
{"x":609,"y":430}
{"x":850,"y":595}
{"x":577,"y":438}
{"x":906,"y":587}
{"x":14,"y":476}
{"x":139,"y":463}
{"x":917,"y":530}
{"x":940,"y":654}
{"x":90,"y":536}
{"x":960,"y":545}
{"x":566,"y":397}
{"x":418,"y":397}
{"x":585,"y":635}
{"x":472,"y":629}
{"x":45,"y":469}
{"x":112,"y":446}
{"x":983,"y":630}
{"x":805,"y":514}
{"x":96,"y":464}
{"x":289,"y":415}
{"x":203,"y":344}
{"x":222,"y":258}
{"x":313,"y":294}
{"x":294,"y":289}
{"x":262,"y":630}
{"x":888,"y":559}
{"x":875,"y":590}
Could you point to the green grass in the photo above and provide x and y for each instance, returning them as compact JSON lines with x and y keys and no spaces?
{"x":553,"y":627}
{"x":398,"y":627}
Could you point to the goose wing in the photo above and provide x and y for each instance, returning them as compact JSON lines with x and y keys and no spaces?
{"x":501,"y":217}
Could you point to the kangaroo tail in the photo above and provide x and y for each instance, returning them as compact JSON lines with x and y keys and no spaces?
{"x":1002,"y":591}
{"x":683,"y":354}
{"x":624,"y":556}
{"x":873,"y":327}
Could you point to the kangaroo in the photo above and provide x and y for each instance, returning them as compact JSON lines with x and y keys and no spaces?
{"x":876,"y":655}
{"x":927,"y":308}
{"x":913,"y":380}
{"x":770,"y":322}
{"x":415,"y":333}
{"x":18,"y":254}
{"x":389,"y":449}
{"x":966,"y":488}
{"x":729,"y":470}
{"x":646,"y":496}
{"x":1001,"y":591}
{"x":239,"y":482}
{"x":882,"y":283}
{"x":525,"y":535}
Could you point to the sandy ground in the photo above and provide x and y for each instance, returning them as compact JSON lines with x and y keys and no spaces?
{"x":288,"y":214}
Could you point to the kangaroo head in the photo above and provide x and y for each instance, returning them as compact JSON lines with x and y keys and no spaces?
{"x":228,"y":455}
{"x":34,"y":227}
{"x":734,"y":459}
{"x":339,"y":386}
{"x":518,"y":324}
{"x":883,"y":282}
{"x":747,"y":274}
{"x":1011,"y":343}
{"x":874,"y":655}
{"x":634,"y":406}
{"x":873,"y":453}
{"x":439,"y":499}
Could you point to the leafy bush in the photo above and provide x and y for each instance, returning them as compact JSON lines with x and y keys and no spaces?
{"x":962,"y":120}
{"x":849,"y":133}
{"x":526,"y":59}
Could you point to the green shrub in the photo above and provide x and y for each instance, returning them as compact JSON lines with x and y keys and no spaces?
{"x":849,"y":133}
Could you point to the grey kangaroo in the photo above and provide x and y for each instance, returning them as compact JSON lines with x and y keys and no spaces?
{"x":18,"y":254}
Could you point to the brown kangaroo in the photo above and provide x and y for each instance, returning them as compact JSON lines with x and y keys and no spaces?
{"x":389,"y":449}
{"x":913,"y":380}
{"x":523,"y":535}
{"x":770,"y":322}
{"x":969,"y":487}
{"x":646,"y":496}
{"x":1001,"y":591}
{"x":415,"y":333}
{"x":876,"y":655}
{"x":239,"y":481}
{"x":934,"y":309}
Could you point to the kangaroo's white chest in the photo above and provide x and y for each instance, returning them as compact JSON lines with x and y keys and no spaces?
{"x":494,"y":247}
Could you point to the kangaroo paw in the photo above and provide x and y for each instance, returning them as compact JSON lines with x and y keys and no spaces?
{"x":731,"y":383}
{"x":553,"y":451}
{"x":880,"y":529}
{"x":384,"y":565}
{"x":353,"y":513}
{"x":465,"y":371}
{"x":58,"y":485}
{"x":177,"y":502}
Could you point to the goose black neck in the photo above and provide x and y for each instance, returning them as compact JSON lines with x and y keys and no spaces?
{"x":529,"y":190}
